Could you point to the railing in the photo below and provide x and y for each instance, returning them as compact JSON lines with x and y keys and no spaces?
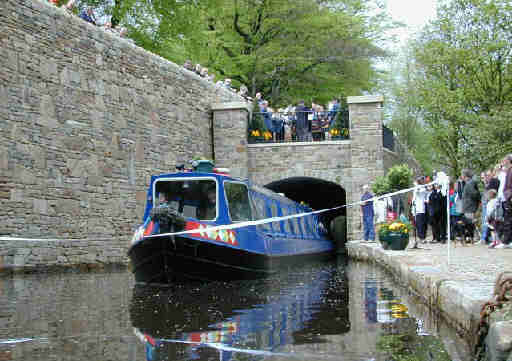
{"x":388,"y":139}
{"x":305,"y":126}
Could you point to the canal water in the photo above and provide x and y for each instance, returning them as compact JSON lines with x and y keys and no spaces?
{"x":340,"y":310}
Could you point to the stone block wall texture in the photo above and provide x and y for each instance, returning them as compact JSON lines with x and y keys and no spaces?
{"x":85,"y":118}
{"x":27,"y":255}
{"x":324,"y":160}
{"x":365,"y":118}
{"x":230,"y":121}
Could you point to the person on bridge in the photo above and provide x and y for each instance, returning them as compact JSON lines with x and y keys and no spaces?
{"x":368,"y":215}
{"x":303,"y":125}
{"x":88,"y":15}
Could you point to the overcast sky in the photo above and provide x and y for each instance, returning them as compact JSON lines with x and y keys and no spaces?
{"x":413,"y":13}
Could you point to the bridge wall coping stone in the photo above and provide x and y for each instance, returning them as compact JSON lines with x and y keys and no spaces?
{"x":231,"y":106}
{"x":365,"y":99}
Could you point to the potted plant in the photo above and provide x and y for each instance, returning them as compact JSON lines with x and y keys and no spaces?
{"x":256,"y":128}
{"x":394,"y":235}
{"x":339,"y":127}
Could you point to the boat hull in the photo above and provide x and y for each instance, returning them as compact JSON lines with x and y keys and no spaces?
{"x":162,"y":260}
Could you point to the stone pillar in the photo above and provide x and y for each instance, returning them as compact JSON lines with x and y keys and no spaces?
{"x":365,"y":118}
{"x":230,"y":121}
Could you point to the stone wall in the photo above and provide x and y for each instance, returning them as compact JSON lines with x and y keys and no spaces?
{"x":365,"y":117}
{"x":328,"y":160}
{"x":85,"y":118}
{"x":24,"y":255}
{"x":230,"y":121}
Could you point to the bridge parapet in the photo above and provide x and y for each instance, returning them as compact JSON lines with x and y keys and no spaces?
{"x":348,"y":163}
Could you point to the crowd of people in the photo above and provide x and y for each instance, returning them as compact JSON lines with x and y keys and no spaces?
{"x":86,"y":13}
{"x":300,"y":122}
{"x":293,"y":122}
{"x":488,"y":211}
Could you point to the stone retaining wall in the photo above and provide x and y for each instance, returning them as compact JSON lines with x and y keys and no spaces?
{"x":85,"y":118}
{"x":20,"y":255}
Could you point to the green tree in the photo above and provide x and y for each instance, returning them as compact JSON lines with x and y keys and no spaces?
{"x":381,"y":186}
{"x":398,"y":177}
{"x":288,"y":49}
{"x":462,"y":73}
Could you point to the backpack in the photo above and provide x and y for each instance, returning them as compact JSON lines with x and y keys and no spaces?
{"x":499,"y":214}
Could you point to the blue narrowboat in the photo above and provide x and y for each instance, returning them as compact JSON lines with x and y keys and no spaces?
{"x":195,"y":202}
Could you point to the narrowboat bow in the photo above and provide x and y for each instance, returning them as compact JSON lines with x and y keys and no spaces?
{"x":197,"y":201}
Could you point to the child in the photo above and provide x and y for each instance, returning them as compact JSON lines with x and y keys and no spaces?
{"x":492,"y":216}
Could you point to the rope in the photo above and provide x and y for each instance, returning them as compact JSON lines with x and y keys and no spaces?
{"x":501,"y":295}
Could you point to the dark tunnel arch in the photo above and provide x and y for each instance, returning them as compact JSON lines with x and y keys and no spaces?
{"x":317,"y":193}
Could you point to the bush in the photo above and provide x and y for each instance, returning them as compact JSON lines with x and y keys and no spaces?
{"x":398,"y":177}
{"x":381,"y":186}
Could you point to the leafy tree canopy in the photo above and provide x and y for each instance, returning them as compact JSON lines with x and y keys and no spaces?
{"x":287,"y":49}
{"x":458,"y":84}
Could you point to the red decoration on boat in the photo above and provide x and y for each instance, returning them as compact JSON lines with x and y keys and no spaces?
{"x":227,"y":236}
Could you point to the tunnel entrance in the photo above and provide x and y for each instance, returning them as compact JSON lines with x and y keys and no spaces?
{"x":318,"y":194}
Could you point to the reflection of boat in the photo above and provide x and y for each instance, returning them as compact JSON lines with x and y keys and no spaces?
{"x":256,"y":317}
{"x":195,"y":201}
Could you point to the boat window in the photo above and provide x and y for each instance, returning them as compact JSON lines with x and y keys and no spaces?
{"x":314,"y":227}
{"x":287,"y":224}
{"x":192,"y":198}
{"x":307,"y":227}
{"x":273,"y":208}
{"x":298,"y":223}
{"x":239,"y":205}
{"x":261,"y":211}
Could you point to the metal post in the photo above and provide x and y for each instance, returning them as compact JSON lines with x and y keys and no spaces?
{"x":448,"y":217}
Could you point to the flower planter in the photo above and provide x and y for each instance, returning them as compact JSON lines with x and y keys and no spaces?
{"x":394,"y":241}
{"x":338,"y":137}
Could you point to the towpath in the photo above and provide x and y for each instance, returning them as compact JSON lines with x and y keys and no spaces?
{"x":474,"y":262}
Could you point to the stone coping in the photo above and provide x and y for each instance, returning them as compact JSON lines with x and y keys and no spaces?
{"x":231,"y":106}
{"x":291,"y":144}
{"x":365,"y":99}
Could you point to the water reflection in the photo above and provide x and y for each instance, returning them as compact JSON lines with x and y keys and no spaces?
{"x":256,"y":319}
{"x":329,"y":311}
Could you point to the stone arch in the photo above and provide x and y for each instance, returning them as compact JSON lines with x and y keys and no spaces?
{"x":318,"y":194}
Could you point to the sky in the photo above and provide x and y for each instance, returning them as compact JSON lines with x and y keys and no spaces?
{"x":413,"y":13}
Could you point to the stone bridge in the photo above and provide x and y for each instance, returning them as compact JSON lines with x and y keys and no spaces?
{"x":86,"y":117}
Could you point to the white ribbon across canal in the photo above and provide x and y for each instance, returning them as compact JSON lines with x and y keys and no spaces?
{"x":277,"y":219}
{"x":253,"y":223}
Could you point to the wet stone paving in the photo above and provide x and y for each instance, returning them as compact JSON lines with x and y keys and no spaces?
{"x":338,"y":310}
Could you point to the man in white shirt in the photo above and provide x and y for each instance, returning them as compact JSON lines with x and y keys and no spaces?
{"x":419,"y":201}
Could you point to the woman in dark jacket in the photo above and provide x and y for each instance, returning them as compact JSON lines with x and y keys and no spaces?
{"x":470,"y":200}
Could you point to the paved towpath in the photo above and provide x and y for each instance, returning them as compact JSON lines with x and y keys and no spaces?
{"x":473,"y":262}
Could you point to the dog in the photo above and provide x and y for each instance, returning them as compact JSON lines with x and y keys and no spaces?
{"x":463,"y":231}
